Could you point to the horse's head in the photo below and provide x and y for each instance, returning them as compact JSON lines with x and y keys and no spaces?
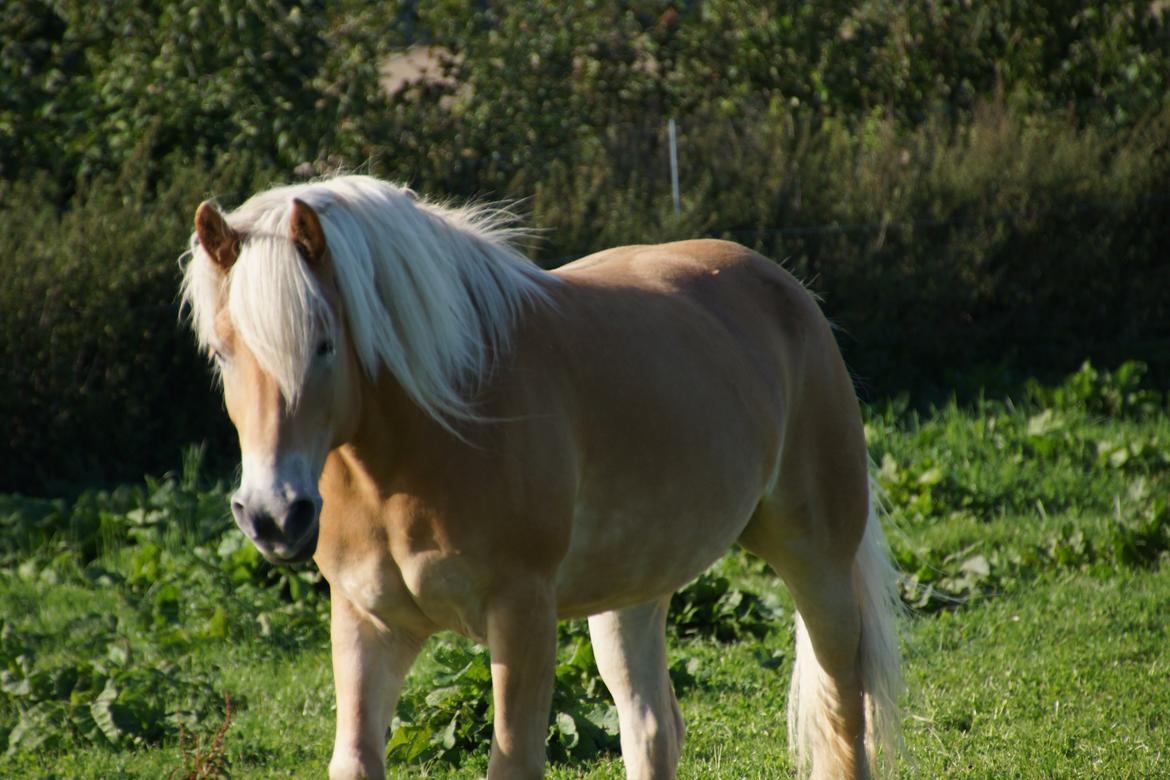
{"x":270,"y":317}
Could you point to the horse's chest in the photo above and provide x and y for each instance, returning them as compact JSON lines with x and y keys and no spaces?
{"x":449,"y":593}
{"x":422,"y":593}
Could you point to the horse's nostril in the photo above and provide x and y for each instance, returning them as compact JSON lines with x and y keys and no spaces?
{"x":300,"y":516}
{"x":263,"y":526}
{"x":288,"y":531}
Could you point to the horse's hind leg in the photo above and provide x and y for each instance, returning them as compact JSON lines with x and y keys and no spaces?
{"x":826,"y":719}
{"x":630,"y":648}
{"x":826,"y":713}
{"x":842,"y":708}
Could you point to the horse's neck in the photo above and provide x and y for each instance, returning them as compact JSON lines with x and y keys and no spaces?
{"x":392,"y":433}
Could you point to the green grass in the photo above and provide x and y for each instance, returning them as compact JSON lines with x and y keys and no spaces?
{"x":1066,"y":678}
{"x":1034,"y":536}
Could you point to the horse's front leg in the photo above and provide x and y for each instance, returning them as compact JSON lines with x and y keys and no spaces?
{"x":522,"y":636}
{"x":369,"y":664}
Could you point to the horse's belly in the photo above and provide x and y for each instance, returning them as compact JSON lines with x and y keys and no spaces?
{"x":652,"y":515}
{"x":619,"y":558}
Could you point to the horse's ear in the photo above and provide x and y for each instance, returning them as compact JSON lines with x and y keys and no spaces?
{"x":306,"y":231}
{"x":216,"y":236}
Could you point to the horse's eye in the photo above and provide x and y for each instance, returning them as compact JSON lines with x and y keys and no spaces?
{"x":325,"y":348}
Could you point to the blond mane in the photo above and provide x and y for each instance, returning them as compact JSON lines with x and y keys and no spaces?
{"x":430,"y":292}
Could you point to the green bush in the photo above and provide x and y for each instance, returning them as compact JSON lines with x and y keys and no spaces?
{"x":951,"y":254}
{"x":100,"y":381}
{"x":87,"y":86}
{"x":977,"y":191}
{"x":1000,"y":248}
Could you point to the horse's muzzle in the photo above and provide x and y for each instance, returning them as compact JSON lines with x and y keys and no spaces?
{"x":288,"y":535}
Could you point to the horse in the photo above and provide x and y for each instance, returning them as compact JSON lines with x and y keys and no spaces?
{"x":463,"y":441}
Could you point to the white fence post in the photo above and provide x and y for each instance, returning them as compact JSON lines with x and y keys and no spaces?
{"x":673,"y":165}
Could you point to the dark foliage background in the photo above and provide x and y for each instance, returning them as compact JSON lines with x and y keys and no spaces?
{"x":979,"y":191}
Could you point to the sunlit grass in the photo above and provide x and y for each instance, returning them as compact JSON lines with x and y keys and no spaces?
{"x":1034,"y":535}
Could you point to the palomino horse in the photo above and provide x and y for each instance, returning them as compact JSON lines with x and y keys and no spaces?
{"x":463,"y":441}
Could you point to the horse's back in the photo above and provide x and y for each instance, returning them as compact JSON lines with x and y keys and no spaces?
{"x":705,"y":306}
{"x":738,"y":298}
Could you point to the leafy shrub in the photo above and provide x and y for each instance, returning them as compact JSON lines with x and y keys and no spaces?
{"x":449,"y":716}
{"x":1028,"y":461}
{"x":1145,"y":539}
{"x":710,"y":607}
{"x":100,"y":382}
{"x":185,"y":577}
{"x":236,"y":82}
{"x":95,"y":702}
{"x":1111,"y":393}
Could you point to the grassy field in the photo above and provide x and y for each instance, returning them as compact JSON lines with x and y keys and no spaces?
{"x":1033,"y":534}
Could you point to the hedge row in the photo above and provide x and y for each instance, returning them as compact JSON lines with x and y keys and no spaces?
{"x":978,"y":191}
{"x":99,"y":383}
{"x":999,"y":250}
